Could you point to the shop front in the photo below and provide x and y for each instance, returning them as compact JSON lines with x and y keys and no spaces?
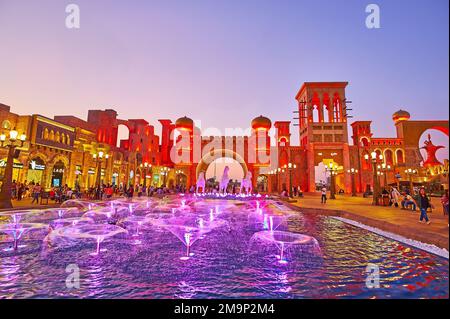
{"x":17,"y":169}
{"x":36,"y":170}
{"x":58,"y":174}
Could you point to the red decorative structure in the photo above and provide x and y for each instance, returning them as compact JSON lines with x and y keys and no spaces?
{"x":431,"y":150}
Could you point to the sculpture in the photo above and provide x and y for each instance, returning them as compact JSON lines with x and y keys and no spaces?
{"x":224,"y":181}
{"x":247,"y":184}
{"x":431,"y":150}
{"x":201,"y":182}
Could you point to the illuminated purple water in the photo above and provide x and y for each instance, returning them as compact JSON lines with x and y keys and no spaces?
{"x":224,"y":263}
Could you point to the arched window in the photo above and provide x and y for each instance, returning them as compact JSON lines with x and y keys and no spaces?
{"x":6,"y":125}
{"x":63,"y":138}
{"x":316,"y":109}
{"x":364,"y":142}
{"x":328,"y":109}
{"x":57,"y":137}
{"x":379,"y":152}
{"x":400,"y":157}
{"x":52,"y":135}
{"x":389,"y":157}
{"x":68,"y":140}
{"x":45,"y":134}
{"x":315,"y":114}
{"x":337,"y":108}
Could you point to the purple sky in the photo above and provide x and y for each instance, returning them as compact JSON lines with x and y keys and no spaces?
{"x":223,"y":62}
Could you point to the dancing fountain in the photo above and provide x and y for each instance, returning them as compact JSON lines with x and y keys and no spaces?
{"x":17,"y":230}
{"x":71,"y":235}
{"x":189,"y":228}
{"x":289,"y":245}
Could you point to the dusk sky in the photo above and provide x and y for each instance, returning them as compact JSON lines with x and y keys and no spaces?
{"x":223,"y":62}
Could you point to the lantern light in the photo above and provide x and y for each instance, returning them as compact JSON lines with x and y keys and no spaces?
{"x":13,"y":135}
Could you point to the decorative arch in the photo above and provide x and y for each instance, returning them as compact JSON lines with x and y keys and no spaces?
{"x":35,"y":154}
{"x":59,"y":157}
{"x":210,"y":157}
{"x":364,"y":141}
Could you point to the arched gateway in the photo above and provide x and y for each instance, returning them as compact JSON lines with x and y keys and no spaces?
{"x":209,"y":158}
{"x":189,"y":153}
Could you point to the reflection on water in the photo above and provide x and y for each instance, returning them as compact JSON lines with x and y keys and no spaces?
{"x":224,"y":264}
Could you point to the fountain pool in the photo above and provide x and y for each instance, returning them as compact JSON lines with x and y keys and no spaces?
{"x":205,"y":247}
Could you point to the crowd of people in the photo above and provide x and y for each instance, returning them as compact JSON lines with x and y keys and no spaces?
{"x":408,"y":199}
{"x":414,"y":200}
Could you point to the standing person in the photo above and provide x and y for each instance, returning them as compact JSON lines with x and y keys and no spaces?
{"x":36,"y":192}
{"x":395,"y":197}
{"x":444,"y":202}
{"x":323,"y":198}
{"x":424,"y":203}
{"x":13,"y":189}
{"x":299,"y":191}
{"x":131,"y":191}
{"x":20,"y":191}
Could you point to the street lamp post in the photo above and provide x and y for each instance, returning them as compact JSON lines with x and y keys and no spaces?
{"x":164,"y":173}
{"x":98,"y":158}
{"x":145,"y":166}
{"x":411,"y":172}
{"x":385,"y":169}
{"x":376,"y":182}
{"x":178,"y":174}
{"x":278,"y":171}
{"x":353,"y":172}
{"x":11,"y":144}
{"x":332,"y":169}
{"x":290,"y":167}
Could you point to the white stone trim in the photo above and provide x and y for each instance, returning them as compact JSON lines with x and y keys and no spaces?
{"x":411,"y":242}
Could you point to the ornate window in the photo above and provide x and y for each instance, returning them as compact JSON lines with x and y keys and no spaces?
{"x":45,"y":134}
{"x":6,"y":125}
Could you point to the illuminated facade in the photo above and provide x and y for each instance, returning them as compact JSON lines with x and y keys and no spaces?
{"x":323,"y":131}
{"x":61,"y":150}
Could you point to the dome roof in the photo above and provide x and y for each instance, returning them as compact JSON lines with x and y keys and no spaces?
{"x":401,"y":115}
{"x":261,"y":122}
{"x":184,"y":122}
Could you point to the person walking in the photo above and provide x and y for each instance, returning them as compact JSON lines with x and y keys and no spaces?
{"x":36,"y":192}
{"x":323,"y":198}
{"x":424,"y":203}
{"x":444,"y":202}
